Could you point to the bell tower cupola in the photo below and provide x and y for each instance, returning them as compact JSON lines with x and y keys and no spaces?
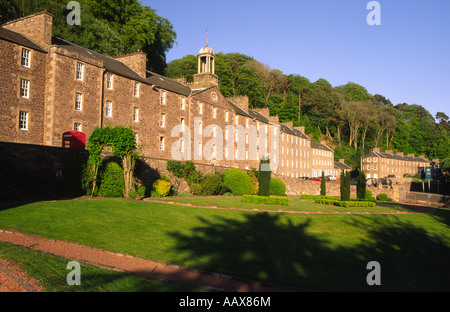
{"x":205,"y":76}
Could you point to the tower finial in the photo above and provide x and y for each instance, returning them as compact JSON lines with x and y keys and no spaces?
{"x":206,"y":37}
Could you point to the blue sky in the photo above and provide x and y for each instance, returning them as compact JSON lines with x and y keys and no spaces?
{"x":406,"y":58}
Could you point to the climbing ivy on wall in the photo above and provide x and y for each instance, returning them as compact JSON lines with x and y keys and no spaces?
{"x":122,"y":140}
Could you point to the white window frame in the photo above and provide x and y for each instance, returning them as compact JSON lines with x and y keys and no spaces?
{"x":163,"y":97}
{"x":136,"y":89}
{"x":77,"y":126}
{"x":23,"y":120}
{"x":162,"y":143}
{"x":24,"y":88}
{"x":26,"y":58}
{"x":162,"y":122}
{"x":109,"y":81}
{"x":80,"y":71}
{"x":108,"y":109}
{"x":78,"y":101}
{"x":135,"y":114}
{"x":183,"y":103}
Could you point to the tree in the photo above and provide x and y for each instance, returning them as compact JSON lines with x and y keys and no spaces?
{"x":323,"y":185}
{"x":354,"y":92}
{"x":361,"y":185}
{"x":345,"y":186}
{"x":264,"y":177}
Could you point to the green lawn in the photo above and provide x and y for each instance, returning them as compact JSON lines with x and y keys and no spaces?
{"x":320,"y":252}
{"x":295,"y":204}
{"x":52,"y":273}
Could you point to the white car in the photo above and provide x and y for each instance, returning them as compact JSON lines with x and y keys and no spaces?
{"x":331,"y":178}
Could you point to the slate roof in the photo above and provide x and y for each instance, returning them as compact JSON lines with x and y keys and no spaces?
{"x":339,"y":165}
{"x":115,"y":66}
{"x":321,"y":146}
{"x":17,"y":38}
{"x":394,"y":156}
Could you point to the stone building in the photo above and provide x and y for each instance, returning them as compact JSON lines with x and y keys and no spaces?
{"x":377,"y":164}
{"x":49,"y":86}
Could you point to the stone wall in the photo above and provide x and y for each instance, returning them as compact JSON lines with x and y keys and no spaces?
{"x":34,"y":171}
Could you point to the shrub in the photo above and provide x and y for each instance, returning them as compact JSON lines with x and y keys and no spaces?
{"x":255,"y":184}
{"x":211,"y":184}
{"x":383,"y":197}
{"x":270,"y":200}
{"x":354,"y":203}
{"x":368,"y":194}
{"x":132,"y":194}
{"x":196,"y":188}
{"x":238,"y":181}
{"x":162,"y":187}
{"x":112,"y":183}
{"x":143,"y":190}
{"x":277,"y":187}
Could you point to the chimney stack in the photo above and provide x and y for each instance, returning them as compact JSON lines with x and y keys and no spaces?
{"x":36,"y":27}
{"x":136,"y":61}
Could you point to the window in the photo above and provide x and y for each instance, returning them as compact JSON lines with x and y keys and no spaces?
{"x":163,"y":120}
{"x":136,"y":114}
{"x":200,"y":127}
{"x":237,"y":120}
{"x":214,"y":112}
{"x":183,"y":121}
{"x":78,"y":101}
{"x":77,"y":126}
{"x":24,"y":88}
{"x":108,"y":111}
{"x":182,"y":145}
{"x":23,"y":120}
{"x":226,"y":116}
{"x":200,"y":108}
{"x":26,"y":57}
{"x":136,"y":89}
{"x":109,"y":81}
{"x":163,"y":97}
{"x":161,"y":143}
{"x":80,"y":71}
{"x":183,"y":103}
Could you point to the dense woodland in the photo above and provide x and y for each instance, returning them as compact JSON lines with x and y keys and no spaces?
{"x":348,"y":117}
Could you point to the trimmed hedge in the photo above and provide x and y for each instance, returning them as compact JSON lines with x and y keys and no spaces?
{"x":350,"y":203}
{"x":277,"y":187}
{"x":270,"y":200}
{"x":238,"y":181}
{"x":305,"y":196}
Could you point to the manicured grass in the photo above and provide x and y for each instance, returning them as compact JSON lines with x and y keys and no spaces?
{"x":320,"y":252}
{"x":51,"y":271}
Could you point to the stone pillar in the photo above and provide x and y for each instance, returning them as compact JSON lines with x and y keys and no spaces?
{"x":395,"y":193}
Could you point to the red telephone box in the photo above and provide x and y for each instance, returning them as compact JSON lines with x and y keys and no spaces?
{"x":74,"y":139}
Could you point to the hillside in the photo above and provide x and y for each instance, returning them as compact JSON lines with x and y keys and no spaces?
{"x":349,"y":118}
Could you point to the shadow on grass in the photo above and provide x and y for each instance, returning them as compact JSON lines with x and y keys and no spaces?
{"x":271,"y":248}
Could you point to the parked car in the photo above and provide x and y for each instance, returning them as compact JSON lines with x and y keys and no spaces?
{"x":330,"y":178}
{"x":315,"y":179}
